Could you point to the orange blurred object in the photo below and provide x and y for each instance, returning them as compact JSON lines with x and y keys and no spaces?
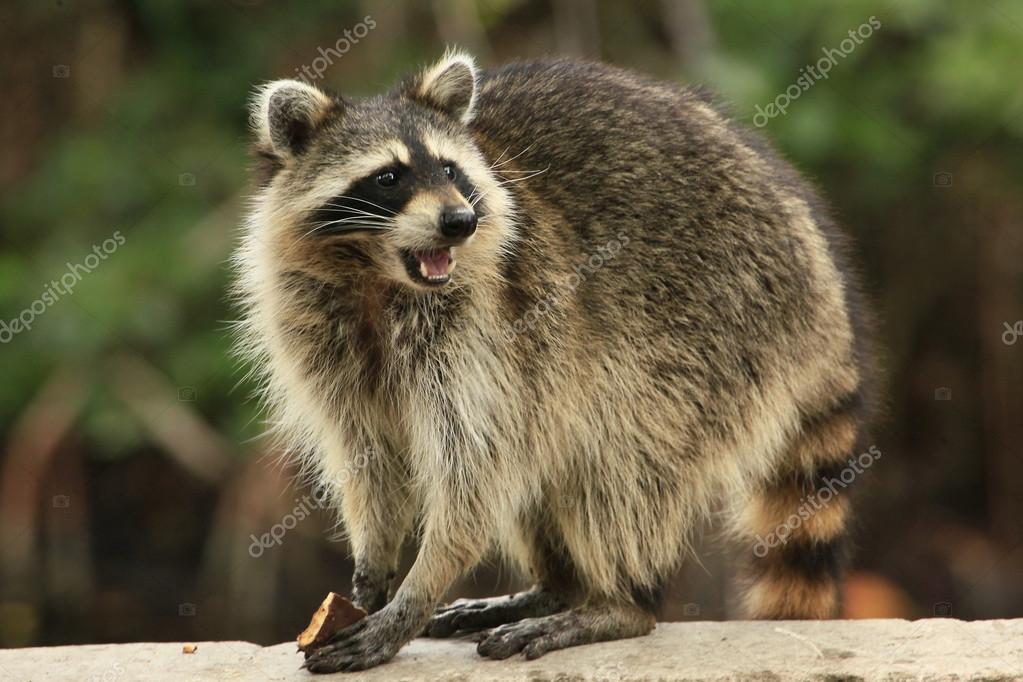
{"x":870,"y":595}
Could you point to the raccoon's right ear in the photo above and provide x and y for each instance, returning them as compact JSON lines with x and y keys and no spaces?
{"x":285,"y":114}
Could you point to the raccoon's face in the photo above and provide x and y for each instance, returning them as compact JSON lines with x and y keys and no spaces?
{"x":391,"y":187}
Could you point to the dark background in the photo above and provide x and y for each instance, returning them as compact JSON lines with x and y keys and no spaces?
{"x":134,"y":477}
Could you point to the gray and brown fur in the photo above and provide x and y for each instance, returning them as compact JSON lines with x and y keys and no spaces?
{"x":651,"y":324}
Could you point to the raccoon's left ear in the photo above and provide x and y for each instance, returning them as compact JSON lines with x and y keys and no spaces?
{"x":448,"y":86}
{"x":285,"y":114}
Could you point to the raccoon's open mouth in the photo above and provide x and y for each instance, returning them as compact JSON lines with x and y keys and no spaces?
{"x":432,"y":267}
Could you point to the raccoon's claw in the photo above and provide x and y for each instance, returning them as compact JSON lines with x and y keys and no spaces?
{"x":365,"y":644}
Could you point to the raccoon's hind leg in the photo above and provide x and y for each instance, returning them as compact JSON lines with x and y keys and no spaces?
{"x":796,"y":523}
{"x":554,"y":591}
{"x":592,"y":622}
{"x":469,"y":615}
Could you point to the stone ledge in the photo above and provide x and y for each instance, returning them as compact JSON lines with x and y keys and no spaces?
{"x":933,"y":649}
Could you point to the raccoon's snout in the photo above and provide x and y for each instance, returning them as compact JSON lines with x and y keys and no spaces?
{"x":432,"y":266}
{"x":457,"y":223}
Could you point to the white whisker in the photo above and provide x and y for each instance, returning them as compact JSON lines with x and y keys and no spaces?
{"x":532,"y":174}
{"x":365,"y":201}
{"x":473,"y":202}
{"x":346,"y":225}
{"x":498,"y":165}
{"x":355,"y":221}
{"x":346,"y":210}
{"x":501,"y":156}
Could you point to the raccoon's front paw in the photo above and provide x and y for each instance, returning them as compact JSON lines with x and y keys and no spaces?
{"x":371,"y":641}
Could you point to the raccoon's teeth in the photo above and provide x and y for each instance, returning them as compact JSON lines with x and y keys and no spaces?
{"x":435,"y":265}
{"x":424,"y":271}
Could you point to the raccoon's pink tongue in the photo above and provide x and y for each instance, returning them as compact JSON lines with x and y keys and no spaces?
{"x":434,"y":264}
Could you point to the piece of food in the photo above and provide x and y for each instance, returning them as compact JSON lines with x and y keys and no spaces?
{"x":189,"y":648}
{"x":335,"y":613}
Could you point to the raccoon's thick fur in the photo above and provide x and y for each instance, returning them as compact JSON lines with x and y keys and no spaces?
{"x":649,"y":323}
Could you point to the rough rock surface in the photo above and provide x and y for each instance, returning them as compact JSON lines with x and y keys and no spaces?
{"x":933,"y":649}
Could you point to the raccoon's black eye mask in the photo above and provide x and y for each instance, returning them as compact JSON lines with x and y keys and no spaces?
{"x":372,"y":202}
{"x":368,"y":205}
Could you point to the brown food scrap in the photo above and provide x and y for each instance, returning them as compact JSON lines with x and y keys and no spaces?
{"x":189,"y":648}
{"x":335,"y":613}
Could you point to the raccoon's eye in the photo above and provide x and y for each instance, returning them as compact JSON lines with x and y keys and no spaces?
{"x":449,"y":171}
{"x":387,"y":178}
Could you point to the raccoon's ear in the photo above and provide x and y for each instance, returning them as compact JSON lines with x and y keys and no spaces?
{"x":285,"y":114}
{"x":448,"y":86}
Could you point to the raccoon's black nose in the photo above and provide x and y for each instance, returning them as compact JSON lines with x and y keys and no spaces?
{"x":457,"y":223}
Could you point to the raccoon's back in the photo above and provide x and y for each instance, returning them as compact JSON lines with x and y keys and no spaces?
{"x":729,"y":269}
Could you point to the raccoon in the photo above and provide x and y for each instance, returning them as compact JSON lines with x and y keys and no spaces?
{"x":562,"y":312}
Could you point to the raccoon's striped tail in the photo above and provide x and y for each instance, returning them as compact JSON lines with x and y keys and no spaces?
{"x":797,"y":523}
